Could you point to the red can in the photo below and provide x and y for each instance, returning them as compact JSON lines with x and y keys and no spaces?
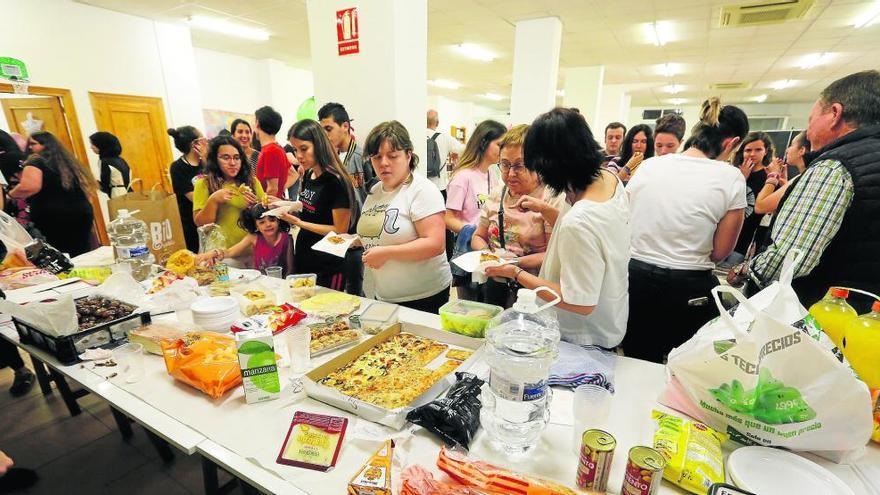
{"x":594,"y":466}
{"x":644,"y":472}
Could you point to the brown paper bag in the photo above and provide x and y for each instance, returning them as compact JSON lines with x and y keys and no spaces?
{"x":159,"y":210}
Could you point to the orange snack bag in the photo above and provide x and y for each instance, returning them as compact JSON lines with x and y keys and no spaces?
{"x":204,"y":360}
{"x":875,"y":399}
{"x":419,"y":481}
{"x":495,"y":480}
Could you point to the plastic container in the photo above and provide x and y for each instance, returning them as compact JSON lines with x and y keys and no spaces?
{"x":467,"y":317}
{"x":861,"y":346}
{"x":833,"y":314}
{"x":302,"y":286}
{"x":129,"y":236}
{"x":377,"y":317}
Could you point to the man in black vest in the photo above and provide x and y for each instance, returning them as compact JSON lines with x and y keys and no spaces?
{"x":832,"y":213}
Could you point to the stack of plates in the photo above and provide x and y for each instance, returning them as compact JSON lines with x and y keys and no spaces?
{"x":215,"y":314}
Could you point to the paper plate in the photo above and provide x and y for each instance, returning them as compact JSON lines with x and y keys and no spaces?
{"x":243,"y":275}
{"x":765,"y":470}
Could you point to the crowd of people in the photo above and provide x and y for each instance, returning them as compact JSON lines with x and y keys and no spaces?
{"x":630,"y":235}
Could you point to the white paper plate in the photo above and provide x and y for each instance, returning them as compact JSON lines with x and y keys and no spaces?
{"x":771,"y":471}
{"x":214,"y":306}
{"x":243,"y":274}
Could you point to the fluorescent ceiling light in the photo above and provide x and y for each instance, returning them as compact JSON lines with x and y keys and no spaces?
{"x":761,"y":98}
{"x":868,"y":17}
{"x":677,"y":101}
{"x":672,"y":89}
{"x":492,"y":96}
{"x":668,"y":70}
{"x":814,"y":60}
{"x":226,"y":27}
{"x":782,"y":84}
{"x":444,"y":83}
{"x":658,"y":33}
{"x":475,"y":52}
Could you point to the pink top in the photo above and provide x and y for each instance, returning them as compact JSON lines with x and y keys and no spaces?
{"x":468,"y":191}
{"x":266,"y":255}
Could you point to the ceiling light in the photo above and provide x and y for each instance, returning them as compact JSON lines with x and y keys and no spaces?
{"x":444,"y":83}
{"x":492,"y":96}
{"x":560,"y":93}
{"x":677,"y":101}
{"x":782,"y":84}
{"x":668,"y":70}
{"x":475,"y":52}
{"x":226,"y":27}
{"x":761,"y":98}
{"x":814,"y":60}
{"x":658,"y":33}
{"x":672,"y":89}
{"x":868,"y":17}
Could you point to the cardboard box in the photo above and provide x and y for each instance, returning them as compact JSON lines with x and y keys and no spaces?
{"x":395,"y":418}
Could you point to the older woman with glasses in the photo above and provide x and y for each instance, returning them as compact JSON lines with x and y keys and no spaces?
{"x":516,"y":221}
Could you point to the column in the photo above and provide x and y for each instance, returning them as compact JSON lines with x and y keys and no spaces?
{"x":535,"y":68}
{"x":583,"y":90}
{"x":177,"y":59}
{"x":614,"y":107}
{"x":387,"y":79}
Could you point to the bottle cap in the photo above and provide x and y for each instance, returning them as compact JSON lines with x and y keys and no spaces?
{"x":875,"y":308}
{"x":839,"y":292}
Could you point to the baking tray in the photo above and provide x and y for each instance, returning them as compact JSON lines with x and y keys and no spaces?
{"x":394,"y":418}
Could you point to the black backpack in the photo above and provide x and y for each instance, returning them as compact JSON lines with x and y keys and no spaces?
{"x":434,"y":162}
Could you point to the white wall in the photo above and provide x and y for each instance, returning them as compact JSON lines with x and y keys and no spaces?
{"x":465,"y":114}
{"x":797,"y":113}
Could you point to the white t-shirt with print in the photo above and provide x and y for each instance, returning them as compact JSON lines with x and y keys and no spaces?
{"x":589,"y":256}
{"x":676,"y":203}
{"x":388,"y":219}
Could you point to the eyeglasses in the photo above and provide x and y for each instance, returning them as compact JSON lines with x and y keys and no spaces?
{"x":230,"y":158}
{"x":517,"y":168}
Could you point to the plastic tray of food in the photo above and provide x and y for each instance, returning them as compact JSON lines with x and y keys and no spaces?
{"x":302,"y":286}
{"x":331,"y":335}
{"x":467,"y":317}
{"x":376,"y":317}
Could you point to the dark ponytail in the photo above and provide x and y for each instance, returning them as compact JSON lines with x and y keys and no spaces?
{"x":716,"y":124}
{"x":184,"y":137}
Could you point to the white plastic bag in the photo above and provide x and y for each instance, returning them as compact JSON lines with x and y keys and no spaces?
{"x":769,"y":376}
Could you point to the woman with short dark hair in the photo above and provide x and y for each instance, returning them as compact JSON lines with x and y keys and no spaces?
{"x":592,"y":237}
{"x":57,"y":187}
{"x":115,"y":172}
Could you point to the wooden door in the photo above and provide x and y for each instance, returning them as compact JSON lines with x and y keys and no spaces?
{"x":44,"y":113}
{"x":139,"y":123}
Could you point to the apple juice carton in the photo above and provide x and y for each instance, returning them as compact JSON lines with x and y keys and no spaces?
{"x":259,"y":371}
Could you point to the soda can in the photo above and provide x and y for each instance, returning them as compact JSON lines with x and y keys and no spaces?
{"x":594,"y":465}
{"x":644,"y":471}
{"x":222,"y":272}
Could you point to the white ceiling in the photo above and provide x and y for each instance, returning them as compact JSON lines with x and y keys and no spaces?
{"x":595,"y":32}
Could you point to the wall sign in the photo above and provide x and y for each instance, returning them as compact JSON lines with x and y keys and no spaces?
{"x":347,"y":31}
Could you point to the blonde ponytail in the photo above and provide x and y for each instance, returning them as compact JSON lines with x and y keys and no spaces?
{"x":710,"y":111}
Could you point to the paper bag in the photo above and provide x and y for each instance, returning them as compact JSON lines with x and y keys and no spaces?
{"x":159,"y":210}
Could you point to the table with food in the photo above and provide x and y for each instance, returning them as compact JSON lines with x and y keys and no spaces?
{"x":299,"y":389}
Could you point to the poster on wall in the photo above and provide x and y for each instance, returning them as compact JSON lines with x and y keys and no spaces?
{"x":347,"y":31}
{"x":217,"y":120}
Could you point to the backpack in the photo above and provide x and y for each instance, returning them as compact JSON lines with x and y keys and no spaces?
{"x":434,"y":162}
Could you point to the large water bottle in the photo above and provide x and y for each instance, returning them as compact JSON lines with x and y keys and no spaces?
{"x":129,"y":235}
{"x":521,"y":344}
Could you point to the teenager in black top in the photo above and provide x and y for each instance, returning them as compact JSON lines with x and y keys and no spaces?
{"x":329,"y":203}
{"x":115,"y":172}
{"x":192,"y":143}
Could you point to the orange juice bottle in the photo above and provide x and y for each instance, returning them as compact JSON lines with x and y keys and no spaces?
{"x":833,"y":313}
{"x":861,"y":346}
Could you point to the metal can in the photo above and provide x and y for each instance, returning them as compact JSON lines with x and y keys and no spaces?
{"x":222,"y":272}
{"x":594,"y":465}
{"x":644,"y":471}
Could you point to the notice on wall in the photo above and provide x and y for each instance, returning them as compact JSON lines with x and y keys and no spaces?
{"x":347,"y":31}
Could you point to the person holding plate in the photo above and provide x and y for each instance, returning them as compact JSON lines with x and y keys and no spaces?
{"x":402,"y":226}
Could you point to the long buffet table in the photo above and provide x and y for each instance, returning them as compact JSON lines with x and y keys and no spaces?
{"x":245,"y":439}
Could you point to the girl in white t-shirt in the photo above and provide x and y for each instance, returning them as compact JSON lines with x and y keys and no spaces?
{"x":401,"y":226}
{"x":592,"y":238}
{"x":687,"y":211}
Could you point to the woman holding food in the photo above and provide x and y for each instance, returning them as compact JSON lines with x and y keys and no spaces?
{"x":329,"y":203}
{"x":516,"y":220}
{"x":402,"y":227}
{"x":226,"y":189}
{"x":638,"y":145}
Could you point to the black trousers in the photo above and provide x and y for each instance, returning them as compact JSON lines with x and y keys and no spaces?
{"x":354,"y":271}
{"x":666,"y":308}
{"x":430,"y":304}
{"x":9,"y":355}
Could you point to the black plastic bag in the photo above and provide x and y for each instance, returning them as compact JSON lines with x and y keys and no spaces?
{"x":456,"y":417}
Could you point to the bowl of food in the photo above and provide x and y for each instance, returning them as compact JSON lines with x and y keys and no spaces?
{"x":302,"y":286}
{"x":467,"y":317}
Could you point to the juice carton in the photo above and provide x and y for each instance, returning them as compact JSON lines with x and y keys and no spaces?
{"x":259,"y":371}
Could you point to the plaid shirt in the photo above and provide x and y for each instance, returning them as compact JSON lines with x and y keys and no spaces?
{"x":808,"y":220}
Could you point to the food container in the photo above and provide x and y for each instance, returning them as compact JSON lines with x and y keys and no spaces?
{"x":394,"y":418}
{"x":467,"y":317}
{"x":377,"y":317}
{"x":331,"y":335}
{"x":302,"y":286}
{"x":149,"y":336}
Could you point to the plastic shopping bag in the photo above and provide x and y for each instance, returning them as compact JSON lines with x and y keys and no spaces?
{"x":769,"y":376}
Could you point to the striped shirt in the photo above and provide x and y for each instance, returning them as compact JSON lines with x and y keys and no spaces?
{"x":808,"y":219}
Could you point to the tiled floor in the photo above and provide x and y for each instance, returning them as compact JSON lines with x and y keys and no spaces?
{"x":85,"y":454}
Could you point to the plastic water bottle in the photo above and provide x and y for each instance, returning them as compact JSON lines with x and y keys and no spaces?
{"x":520,"y":349}
{"x":129,"y":235}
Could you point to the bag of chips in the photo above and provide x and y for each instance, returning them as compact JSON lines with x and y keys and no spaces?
{"x":692,"y":451}
{"x":419,"y":481}
{"x":204,"y":360}
{"x":456,"y":417}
